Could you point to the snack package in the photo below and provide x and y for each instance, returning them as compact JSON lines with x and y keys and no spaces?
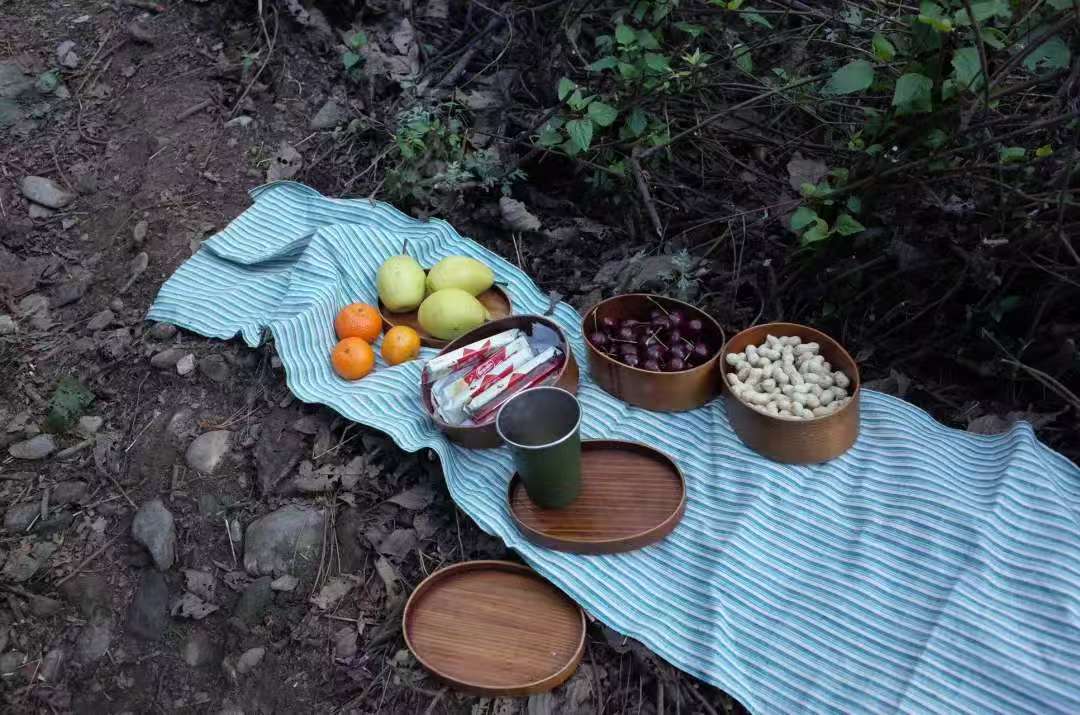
{"x":482,"y":407}
{"x":452,"y":393}
{"x":442,"y":365}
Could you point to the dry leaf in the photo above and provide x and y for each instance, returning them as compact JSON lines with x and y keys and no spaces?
{"x":191,"y":606}
{"x":805,"y":171}
{"x":202,"y":584}
{"x":414,"y":499}
{"x":286,"y":163}
{"x":516,"y":217}
{"x":333,"y":591}
{"x":398,"y":543}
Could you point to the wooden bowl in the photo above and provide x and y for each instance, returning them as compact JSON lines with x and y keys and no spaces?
{"x":485,"y":436}
{"x":794,"y":441}
{"x":494,"y":299}
{"x":658,"y":391}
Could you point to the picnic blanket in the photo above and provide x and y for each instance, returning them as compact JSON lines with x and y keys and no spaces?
{"x":926,"y":570}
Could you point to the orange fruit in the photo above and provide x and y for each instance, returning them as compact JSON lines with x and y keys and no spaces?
{"x":352,"y":358}
{"x":400,"y":344}
{"x":358,"y":320}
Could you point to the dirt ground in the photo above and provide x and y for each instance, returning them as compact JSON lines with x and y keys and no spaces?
{"x":138,"y":127}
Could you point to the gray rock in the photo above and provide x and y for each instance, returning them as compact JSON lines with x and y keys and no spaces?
{"x":138,"y":233}
{"x":215,"y":368}
{"x":45,"y":192}
{"x":284,"y":541}
{"x":13,"y":81}
{"x":38,"y":211}
{"x":43,"y":606}
{"x":154,"y":528}
{"x":89,"y":424}
{"x":206,"y":452}
{"x":11,"y":662}
{"x":201,"y":649}
{"x":37,"y":447}
{"x":345,"y":643}
{"x":101,"y":320}
{"x":10,"y":113}
{"x":162,"y":331}
{"x":52,"y":666}
{"x":167,"y":359}
{"x":66,"y":56}
{"x":89,"y":593}
{"x":249,"y":660}
{"x":241,"y":122}
{"x":72,"y":491}
{"x":35,"y":308}
{"x":254,"y":600}
{"x":7,"y":325}
{"x":68,"y":293}
{"x":288,"y":582}
{"x":140,"y":32}
{"x":329,"y":116}
{"x":149,"y":612}
{"x":20,"y":516}
{"x":116,"y":304}
{"x":185,"y":365}
{"x":94,"y":640}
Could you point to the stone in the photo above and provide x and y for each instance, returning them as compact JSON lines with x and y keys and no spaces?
{"x":241,"y":122}
{"x":154,"y":528}
{"x":162,"y":331}
{"x":89,"y":593}
{"x":215,"y":368}
{"x":45,"y":192}
{"x":68,"y":293}
{"x":37,"y":447}
{"x":94,"y":640}
{"x":138,"y":233}
{"x":250,"y":660}
{"x":116,"y":304}
{"x":35,"y":308}
{"x":345,"y":643}
{"x":11,"y":113}
{"x":140,"y":32}
{"x":185,"y":365}
{"x":66,"y":56}
{"x":43,"y":605}
{"x":287,"y":540}
{"x":167,"y":359}
{"x":89,"y":425}
{"x":52,"y":666}
{"x":72,"y":491}
{"x":149,"y":612}
{"x":7,"y":325}
{"x":288,"y":582}
{"x":206,"y":452}
{"x":19,"y":517}
{"x":13,"y":81}
{"x":329,"y":116}
{"x":36,"y":211}
{"x":201,"y":649}
{"x":11,"y":662}
{"x":101,"y":320}
{"x":254,"y":600}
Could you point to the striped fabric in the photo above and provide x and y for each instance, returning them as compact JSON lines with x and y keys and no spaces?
{"x":927,"y":570}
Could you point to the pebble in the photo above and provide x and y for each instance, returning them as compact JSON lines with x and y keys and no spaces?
{"x":250,"y":660}
{"x":68,"y":293}
{"x":20,"y":516}
{"x":52,"y":666}
{"x":287,"y":540}
{"x":167,"y":358}
{"x":254,"y":600}
{"x":155,"y":529}
{"x":206,"y":452}
{"x":138,"y":234}
{"x":201,"y":649}
{"x":73,"y":491}
{"x":242,"y":122}
{"x":66,"y":56}
{"x":215,"y":368}
{"x":140,"y":32}
{"x":116,"y":304}
{"x":37,"y":211}
{"x":101,"y":320}
{"x":162,"y":331}
{"x":148,"y":614}
{"x":7,"y":325}
{"x":89,"y":424}
{"x":88,"y":592}
{"x":288,"y":582}
{"x":94,"y":640}
{"x":345,"y":643}
{"x":45,"y":192}
{"x":186,"y":364}
{"x":11,"y":662}
{"x":329,"y":116}
{"x":37,"y":447}
{"x":35,"y":307}
{"x":43,"y":605}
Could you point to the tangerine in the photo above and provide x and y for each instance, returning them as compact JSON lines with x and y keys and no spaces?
{"x":400,"y":344}
{"x":358,"y":320}
{"x":352,"y":358}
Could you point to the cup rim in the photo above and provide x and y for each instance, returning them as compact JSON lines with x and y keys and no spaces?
{"x":555,"y":443}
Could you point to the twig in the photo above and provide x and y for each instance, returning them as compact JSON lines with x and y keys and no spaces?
{"x":193,"y":109}
{"x":271,"y":43}
{"x":85,"y":562}
{"x":63,"y":176}
{"x":65,"y":453}
{"x":435,"y":701}
{"x":701,"y":699}
{"x":1034,"y":44}
{"x":643,"y":190}
{"x":228,"y":532}
{"x":982,"y":52}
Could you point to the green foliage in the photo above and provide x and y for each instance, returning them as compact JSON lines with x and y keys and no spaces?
{"x":852,"y":77}
{"x":69,"y":401}
{"x":351,"y":59}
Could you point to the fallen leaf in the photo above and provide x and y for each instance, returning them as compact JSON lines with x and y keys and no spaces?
{"x":425,"y":526}
{"x":333,"y":591}
{"x":200,"y":583}
{"x":285,"y":164}
{"x":345,"y":643}
{"x":236,"y":580}
{"x":388,"y":575}
{"x":805,"y":171}
{"x":191,"y":606}
{"x":516,"y":217}
{"x":414,"y":499}
{"x":398,"y":543}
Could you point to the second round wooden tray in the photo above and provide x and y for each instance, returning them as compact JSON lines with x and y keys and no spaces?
{"x":494,"y":299}
{"x":631,"y":496}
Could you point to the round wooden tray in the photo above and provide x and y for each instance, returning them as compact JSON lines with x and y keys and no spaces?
{"x":631,"y":496}
{"x":494,"y":299}
{"x":494,"y":628}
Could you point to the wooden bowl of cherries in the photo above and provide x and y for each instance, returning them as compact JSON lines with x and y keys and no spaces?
{"x":654,"y":352}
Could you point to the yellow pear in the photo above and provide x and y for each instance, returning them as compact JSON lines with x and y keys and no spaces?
{"x":450,"y":313}
{"x":468,"y":274}
{"x":400,"y":282}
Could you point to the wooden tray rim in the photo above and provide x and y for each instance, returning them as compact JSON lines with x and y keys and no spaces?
{"x":537,"y":686}
{"x":430,"y":341}
{"x":620,"y":545}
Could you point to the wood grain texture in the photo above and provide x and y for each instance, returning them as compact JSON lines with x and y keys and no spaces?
{"x":494,"y":299}
{"x":486,"y":436}
{"x":494,"y":628}
{"x":657,"y":391}
{"x":795,"y":441}
{"x":631,"y":496}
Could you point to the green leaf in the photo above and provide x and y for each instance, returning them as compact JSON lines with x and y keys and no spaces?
{"x":949,"y":89}
{"x":802,"y":218}
{"x":983,"y":11}
{"x":1044,"y":151}
{"x":1012,"y":155}
{"x":852,"y":77}
{"x":570,"y":147}
{"x":994,"y":37}
{"x":576,"y":101}
{"x":47,"y":82}
{"x":358,"y":40}
{"x":912,"y":94}
{"x":69,"y":401}
{"x":604,"y":63}
{"x":852,"y":16}
{"x":566,"y":86}
{"x":690,"y":28}
{"x":647,"y":40}
{"x":351,"y":59}
{"x":549,"y":137}
{"x":657,"y":63}
{"x":846,"y":225}
{"x":753,"y":18}
{"x":629,"y":71}
{"x":854,"y":204}
{"x":624,"y":34}
{"x":841,"y":175}
{"x":581,"y":131}
{"x":967,"y":69}
{"x":743,"y":60}
{"x":603,"y":114}
{"x":637,"y":122}
{"x":931,"y":14}
{"x":1051,"y":55}
{"x":935,"y":138}
{"x":884,"y":50}
{"x":818,"y":232}
{"x":1061,"y":4}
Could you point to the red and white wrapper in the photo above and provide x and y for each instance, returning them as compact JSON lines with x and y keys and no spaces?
{"x":451,"y":394}
{"x":471,"y":354}
{"x":539,"y":368}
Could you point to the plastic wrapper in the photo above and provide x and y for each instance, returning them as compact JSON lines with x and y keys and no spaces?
{"x":472,"y":354}
{"x":482,"y":407}
{"x":450,"y":394}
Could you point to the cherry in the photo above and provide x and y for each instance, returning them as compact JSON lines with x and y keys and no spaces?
{"x":675,"y":364}
{"x":679,"y":352}
{"x":700,"y":353}
{"x":657,"y":315}
{"x":626,"y":333}
{"x":693,"y":326}
{"x":651,"y":365}
{"x":599,"y":339}
{"x":675,"y":337}
{"x":675,"y":318}
{"x":631,"y":360}
{"x":654,"y":352}
{"x":609,"y":323}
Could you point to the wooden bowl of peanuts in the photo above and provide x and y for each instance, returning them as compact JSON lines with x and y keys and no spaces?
{"x":792,"y":393}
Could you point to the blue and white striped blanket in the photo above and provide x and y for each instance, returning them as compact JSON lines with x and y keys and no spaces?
{"x":927,"y":570}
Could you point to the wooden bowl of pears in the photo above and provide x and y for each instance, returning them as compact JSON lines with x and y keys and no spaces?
{"x":441,"y":303}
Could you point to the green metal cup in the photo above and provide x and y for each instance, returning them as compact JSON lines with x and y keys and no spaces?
{"x":542,"y":427}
